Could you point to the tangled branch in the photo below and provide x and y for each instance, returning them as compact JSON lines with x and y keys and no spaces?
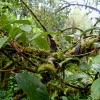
{"x":77,"y":4}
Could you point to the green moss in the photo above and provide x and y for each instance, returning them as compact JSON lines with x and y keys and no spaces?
{"x":47,"y":67}
{"x":58,"y":55}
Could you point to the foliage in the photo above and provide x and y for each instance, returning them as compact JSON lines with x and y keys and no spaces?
{"x":30,"y":85}
{"x":40,"y":60}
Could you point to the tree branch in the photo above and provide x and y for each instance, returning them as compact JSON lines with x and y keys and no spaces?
{"x":66,"y":83}
{"x":76,"y":4}
{"x":30,"y":70}
{"x":9,"y":70}
{"x":70,"y":28}
{"x":33,"y":14}
{"x":53,"y":44}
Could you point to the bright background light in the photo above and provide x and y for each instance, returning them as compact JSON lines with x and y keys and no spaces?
{"x":94,"y":14}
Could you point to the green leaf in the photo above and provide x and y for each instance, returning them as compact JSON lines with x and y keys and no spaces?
{"x":90,"y":29}
{"x":7,"y":27}
{"x":77,"y":76}
{"x":96,"y":63}
{"x":23,"y":38}
{"x":3,"y":40}
{"x":26,"y":28}
{"x":34,"y":37}
{"x":46,"y":33}
{"x":96,"y":59}
{"x":39,"y":35}
{"x":18,"y":35}
{"x":64,"y":98}
{"x":68,"y":38}
{"x":74,"y":35}
{"x":84,"y":66}
{"x":68,"y":59}
{"x":3,"y":20}
{"x":96,"y":66}
{"x":95,"y":90}
{"x":14,"y":31}
{"x":54,"y":94}
{"x":22,"y":22}
{"x":72,"y":67}
{"x":42,"y":43}
{"x":33,"y":88}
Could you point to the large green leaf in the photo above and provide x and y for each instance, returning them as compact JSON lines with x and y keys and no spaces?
{"x":7,"y":27}
{"x":42,"y":43}
{"x":68,"y":59}
{"x":96,"y":66}
{"x":26,"y":28}
{"x":34,"y":37}
{"x":90,"y":29}
{"x":22,"y":22}
{"x":40,"y":35}
{"x":3,"y":40}
{"x":96,"y":63}
{"x":95,"y":90}
{"x":84,"y":66}
{"x":96,"y":59}
{"x":72,"y":67}
{"x":14,"y":31}
{"x":33,"y":88}
{"x":23,"y":38}
{"x":77,"y":76}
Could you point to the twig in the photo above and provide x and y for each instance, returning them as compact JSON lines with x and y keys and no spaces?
{"x":71,"y":47}
{"x":30,"y":70}
{"x":66,"y":83}
{"x":98,"y":20}
{"x":7,"y":55}
{"x":80,"y":55}
{"x":70,"y":28}
{"x":19,"y":97}
{"x":8,"y":70}
{"x":21,"y":52}
{"x":35,"y":65}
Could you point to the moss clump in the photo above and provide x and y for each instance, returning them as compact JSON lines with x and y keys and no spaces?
{"x":58,"y":55}
{"x":47,"y":68}
{"x":29,"y":49}
{"x":71,"y":90}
